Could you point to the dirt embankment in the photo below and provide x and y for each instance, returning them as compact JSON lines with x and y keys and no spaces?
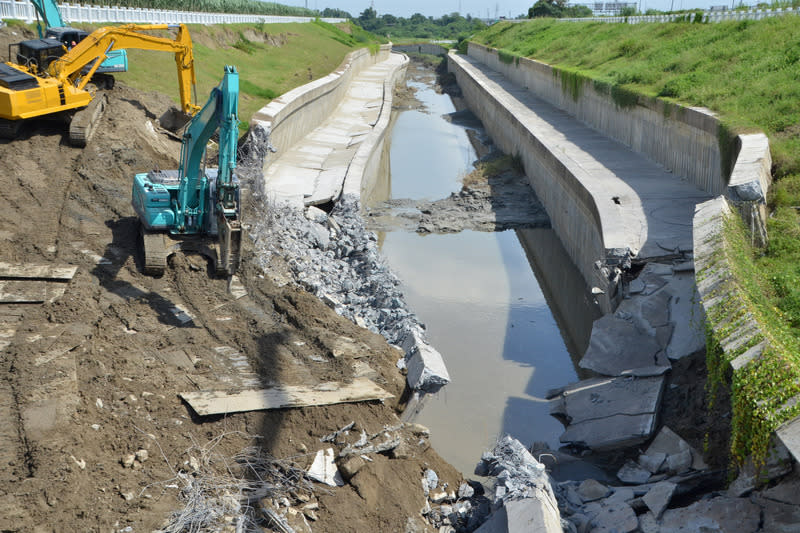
{"x":95,"y":436}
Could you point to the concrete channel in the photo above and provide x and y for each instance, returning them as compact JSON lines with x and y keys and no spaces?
{"x":621,"y":185}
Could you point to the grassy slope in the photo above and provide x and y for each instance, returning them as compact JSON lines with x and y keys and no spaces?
{"x":306,"y":52}
{"x":748,"y":72}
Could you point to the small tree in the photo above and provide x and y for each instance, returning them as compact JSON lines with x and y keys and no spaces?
{"x":547,"y":8}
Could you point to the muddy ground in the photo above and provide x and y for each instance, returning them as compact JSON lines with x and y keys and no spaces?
{"x":91,"y":379}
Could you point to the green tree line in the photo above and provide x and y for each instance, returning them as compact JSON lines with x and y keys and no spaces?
{"x":419,"y":26}
{"x":213,"y":6}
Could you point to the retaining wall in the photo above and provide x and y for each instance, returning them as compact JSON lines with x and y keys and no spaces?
{"x":294,"y":114}
{"x":684,"y":140}
{"x":422,"y":48}
{"x":364,"y":169}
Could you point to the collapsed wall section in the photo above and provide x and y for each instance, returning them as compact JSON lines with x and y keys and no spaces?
{"x":294,"y":114}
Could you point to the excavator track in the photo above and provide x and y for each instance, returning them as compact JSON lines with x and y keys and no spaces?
{"x":84,"y":121}
{"x":9,"y":129}
{"x":156,"y":252}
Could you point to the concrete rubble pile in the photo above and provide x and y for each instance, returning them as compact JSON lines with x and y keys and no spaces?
{"x":523,"y":497}
{"x":658,"y":321}
{"x":336,"y":258}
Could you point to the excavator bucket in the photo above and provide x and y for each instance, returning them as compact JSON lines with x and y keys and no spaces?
{"x":174,"y":119}
{"x":230,"y":240}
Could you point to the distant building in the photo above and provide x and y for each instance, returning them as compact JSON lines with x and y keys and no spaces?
{"x":608,"y":9}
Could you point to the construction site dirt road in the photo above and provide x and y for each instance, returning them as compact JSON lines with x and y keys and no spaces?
{"x":93,"y":433}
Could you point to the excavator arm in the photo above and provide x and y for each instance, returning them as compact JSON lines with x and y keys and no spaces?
{"x":67,"y":69}
{"x":195,"y":208}
{"x":49,"y":13}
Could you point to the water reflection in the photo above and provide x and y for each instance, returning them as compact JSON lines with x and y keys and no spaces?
{"x":482,"y":303}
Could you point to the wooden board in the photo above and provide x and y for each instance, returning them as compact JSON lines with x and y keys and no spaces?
{"x":219,"y":402}
{"x":25,"y":271}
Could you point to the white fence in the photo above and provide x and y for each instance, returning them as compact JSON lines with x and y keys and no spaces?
{"x":12,"y":9}
{"x":707,"y":16}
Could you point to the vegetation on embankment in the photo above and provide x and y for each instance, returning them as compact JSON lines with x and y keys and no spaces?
{"x":272,"y":59}
{"x":747,"y":72}
{"x":254,"y":7}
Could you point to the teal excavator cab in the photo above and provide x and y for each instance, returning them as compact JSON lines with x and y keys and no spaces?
{"x":196,"y":209}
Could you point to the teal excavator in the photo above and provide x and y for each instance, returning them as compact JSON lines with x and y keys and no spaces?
{"x":49,"y":16}
{"x":196,"y":209}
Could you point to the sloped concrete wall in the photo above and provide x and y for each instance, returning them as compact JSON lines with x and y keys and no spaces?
{"x":572,"y":209}
{"x":291,"y":116}
{"x":362,"y":175}
{"x":684,"y":140}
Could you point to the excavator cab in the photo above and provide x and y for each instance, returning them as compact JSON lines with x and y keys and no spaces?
{"x":37,"y":54}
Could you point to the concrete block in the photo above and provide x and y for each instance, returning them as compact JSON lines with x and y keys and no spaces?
{"x":731,"y":515}
{"x":657,"y":499}
{"x":652,"y":462}
{"x":523,"y":516}
{"x":606,"y":412}
{"x":426,"y":369}
{"x":633,"y":474}
{"x":616,"y":345}
{"x":590,"y":490}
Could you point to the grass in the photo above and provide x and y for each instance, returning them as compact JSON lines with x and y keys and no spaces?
{"x":271,"y":58}
{"x":748,"y":73}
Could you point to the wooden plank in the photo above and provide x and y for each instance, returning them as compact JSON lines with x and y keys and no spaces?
{"x":19,"y":292}
{"x":219,"y":402}
{"x":25,"y":271}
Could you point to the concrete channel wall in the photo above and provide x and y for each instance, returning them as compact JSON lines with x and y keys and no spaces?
{"x":362,"y":175}
{"x":683,"y":140}
{"x":422,"y":48}
{"x":294,"y":114}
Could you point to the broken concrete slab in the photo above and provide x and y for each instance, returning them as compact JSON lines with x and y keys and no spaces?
{"x":657,"y":499}
{"x":731,"y":515}
{"x":324,"y":469}
{"x":590,"y":490}
{"x":618,"y":517}
{"x":787,"y":491}
{"x":688,"y":316}
{"x":523,"y":516}
{"x":617,"y":344}
{"x":652,"y":462}
{"x":603,"y":413}
{"x":426,"y":369}
{"x":669,"y":443}
{"x":633,"y":474}
{"x":779,"y":517}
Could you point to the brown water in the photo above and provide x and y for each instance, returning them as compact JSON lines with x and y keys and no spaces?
{"x":478,"y":294}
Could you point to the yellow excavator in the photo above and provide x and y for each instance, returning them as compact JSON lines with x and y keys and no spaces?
{"x":49,"y":81}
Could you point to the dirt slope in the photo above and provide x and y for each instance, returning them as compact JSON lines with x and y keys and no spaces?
{"x":93,"y":377}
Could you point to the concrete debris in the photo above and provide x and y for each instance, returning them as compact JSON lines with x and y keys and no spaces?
{"x":431,"y":480}
{"x":605,"y":413}
{"x":324,"y":470}
{"x":633,"y":474}
{"x":338,"y":259}
{"x":350,"y":466}
{"x":728,"y":515}
{"x":659,"y":497}
{"x":590,"y":490}
{"x":616,"y":517}
{"x":652,"y":462}
{"x":668,"y":443}
{"x":522,"y":516}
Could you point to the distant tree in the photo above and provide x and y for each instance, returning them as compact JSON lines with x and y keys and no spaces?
{"x":627,"y":11}
{"x":368,"y":19}
{"x":417,"y":18}
{"x":547,"y":8}
{"x":577,"y":11}
{"x":336,"y":13}
{"x":388,"y":20}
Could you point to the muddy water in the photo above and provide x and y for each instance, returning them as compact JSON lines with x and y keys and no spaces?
{"x":479,"y":296}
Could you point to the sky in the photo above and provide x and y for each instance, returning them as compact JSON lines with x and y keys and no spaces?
{"x":476,"y":8}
